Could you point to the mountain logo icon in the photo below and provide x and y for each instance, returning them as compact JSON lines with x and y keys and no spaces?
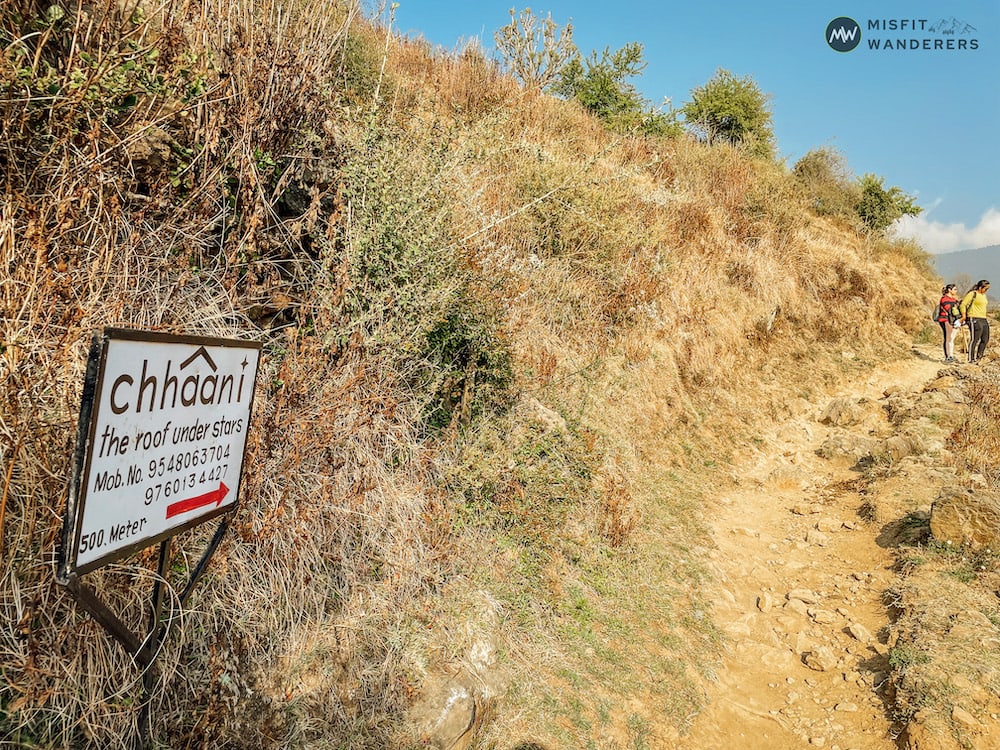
{"x":951,"y":27}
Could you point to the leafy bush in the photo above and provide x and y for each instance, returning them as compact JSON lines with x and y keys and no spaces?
{"x":470,"y":364}
{"x":878,"y":207}
{"x":360,"y":68}
{"x":400,"y":289}
{"x":519,"y":478}
{"x":732,"y":110}
{"x":601,"y":85}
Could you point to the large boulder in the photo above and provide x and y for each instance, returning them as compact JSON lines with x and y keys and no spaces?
{"x":450,"y":707}
{"x":842,"y":444}
{"x":966,"y":517}
{"x":447,"y":713}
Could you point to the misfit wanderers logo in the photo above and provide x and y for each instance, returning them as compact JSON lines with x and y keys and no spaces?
{"x":844,"y":34}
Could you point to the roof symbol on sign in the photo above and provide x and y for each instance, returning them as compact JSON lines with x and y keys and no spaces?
{"x":200,"y":352}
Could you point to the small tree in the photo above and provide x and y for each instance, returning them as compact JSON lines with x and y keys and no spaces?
{"x":733,"y":110}
{"x":601,"y":84}
{"x":535,"y":50}
{"x":878,"y":208}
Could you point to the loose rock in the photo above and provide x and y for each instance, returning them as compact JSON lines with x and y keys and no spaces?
{"x":821,"y":659}
{"x":964,"y":719}
{"x":822,"y":616}
{"x":859,"y":632}
{"x":803,"y":595}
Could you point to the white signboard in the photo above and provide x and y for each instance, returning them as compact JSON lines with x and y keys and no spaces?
{"x":162,"y":448}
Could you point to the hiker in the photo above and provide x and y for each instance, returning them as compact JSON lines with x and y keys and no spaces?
{"x":949,"y":320}
{"x":972,"y":308}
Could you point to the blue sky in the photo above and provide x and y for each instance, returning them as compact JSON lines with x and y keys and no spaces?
{"x":926,"y":120}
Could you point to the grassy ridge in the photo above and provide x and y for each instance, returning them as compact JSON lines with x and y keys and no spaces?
{"x":505,"y":354}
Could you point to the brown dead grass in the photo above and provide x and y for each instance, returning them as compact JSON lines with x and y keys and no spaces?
{"x":943,"y":665}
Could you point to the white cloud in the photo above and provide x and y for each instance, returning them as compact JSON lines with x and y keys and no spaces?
{"x":938,"y":237}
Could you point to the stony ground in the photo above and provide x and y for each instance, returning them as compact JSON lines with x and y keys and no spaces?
{"x":802,"y":580}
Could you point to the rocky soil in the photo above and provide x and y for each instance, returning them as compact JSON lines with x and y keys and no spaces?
{"x":806,"y":559}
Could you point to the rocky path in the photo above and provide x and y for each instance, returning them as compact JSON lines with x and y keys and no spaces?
{"x":801,"y":582}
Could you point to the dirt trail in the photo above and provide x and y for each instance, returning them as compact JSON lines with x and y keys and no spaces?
{"x":801,"y":579}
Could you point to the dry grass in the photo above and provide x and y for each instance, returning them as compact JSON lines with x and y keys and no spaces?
{"x":977,"y":440}
{"x":946,"y":601}
{"x":506,"y":354}
{"x":938,"y":656}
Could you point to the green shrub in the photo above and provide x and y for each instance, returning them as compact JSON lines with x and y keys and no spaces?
{"x":401,"y":290}
{"x":468,"y":366}
{"x":519,"y":479}
{"x":732,"y":110}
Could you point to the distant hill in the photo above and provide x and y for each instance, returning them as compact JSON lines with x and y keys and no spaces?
{"x":981,"y":263}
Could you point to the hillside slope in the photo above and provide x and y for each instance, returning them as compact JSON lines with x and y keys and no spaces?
{"x":506,"y":355}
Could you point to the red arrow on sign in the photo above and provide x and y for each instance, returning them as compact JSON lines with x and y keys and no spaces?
{"x":192,"y":503}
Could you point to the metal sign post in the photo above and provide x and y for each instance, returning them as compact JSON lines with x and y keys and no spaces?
{"x":153,"y":642}
{"x":160,"y":447}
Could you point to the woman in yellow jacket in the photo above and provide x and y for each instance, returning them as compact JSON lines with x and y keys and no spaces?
{"x":973,"y":309}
